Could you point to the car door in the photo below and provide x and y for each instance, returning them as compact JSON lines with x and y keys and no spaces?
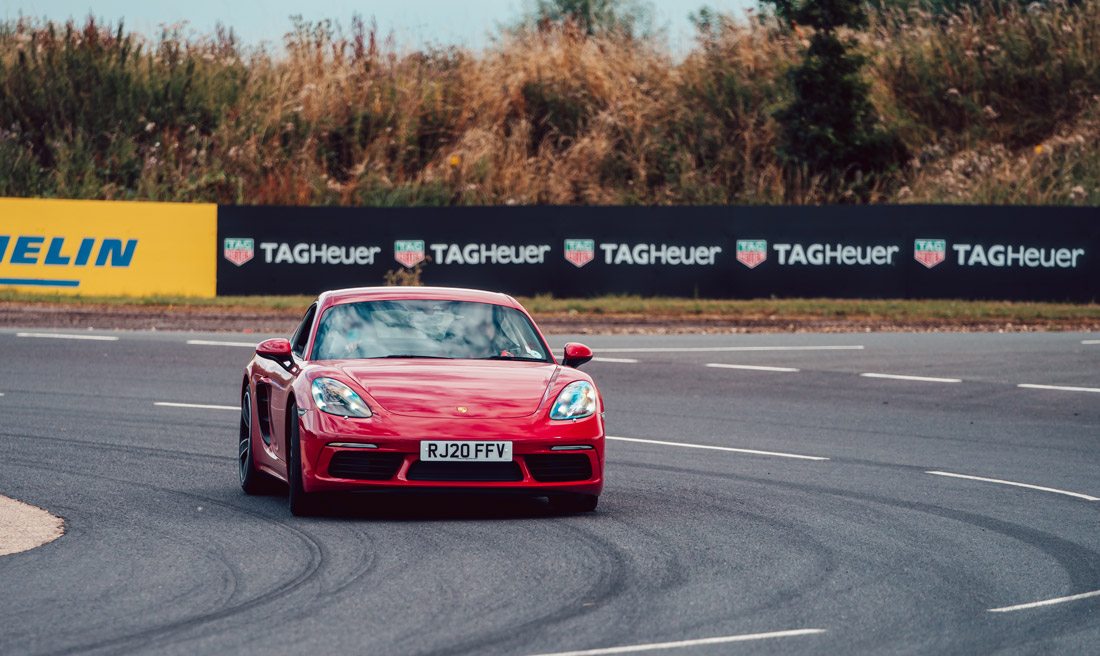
{"x":273,"y":385}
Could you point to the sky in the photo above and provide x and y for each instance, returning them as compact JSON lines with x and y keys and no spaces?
{"x":413,"y":22}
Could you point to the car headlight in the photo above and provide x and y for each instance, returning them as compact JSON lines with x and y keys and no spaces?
{"x":336,"y":398}
{"x":577,"y":400}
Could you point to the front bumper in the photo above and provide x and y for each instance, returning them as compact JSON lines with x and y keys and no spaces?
{"x":536,"y":469}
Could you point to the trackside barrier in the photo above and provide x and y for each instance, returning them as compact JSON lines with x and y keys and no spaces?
{"x":108,"y":248}
{"x":907,"y":251}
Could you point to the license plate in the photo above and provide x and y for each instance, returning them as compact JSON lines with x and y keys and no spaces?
{"x":461,"y":451}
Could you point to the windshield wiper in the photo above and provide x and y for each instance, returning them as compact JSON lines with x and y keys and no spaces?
{"x":517,"y":357}
{"x":434,"y":357}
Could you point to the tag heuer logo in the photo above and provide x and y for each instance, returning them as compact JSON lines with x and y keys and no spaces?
{"x":930,"y":252}
{"x":409,"y":252}
{"x":752,"y":252}
{"x":237,"y":250}
{"x":580,"y":251}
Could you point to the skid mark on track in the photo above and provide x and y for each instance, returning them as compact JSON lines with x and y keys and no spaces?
{"x":1080,"y":563}
{"x":123,"y":448}
{"x":608,"y":585}
{"x":164,"y":633}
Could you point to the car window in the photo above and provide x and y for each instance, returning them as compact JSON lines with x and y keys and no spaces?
{"x":427,"y":329}
{"x":301,"y":335}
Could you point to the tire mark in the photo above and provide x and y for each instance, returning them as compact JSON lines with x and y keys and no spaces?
{"x":159,"y":635}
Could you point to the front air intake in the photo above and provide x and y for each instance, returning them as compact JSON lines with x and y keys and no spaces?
{"x":559,"y":468}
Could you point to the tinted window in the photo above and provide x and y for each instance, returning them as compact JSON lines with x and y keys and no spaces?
{"x":426,"y":329}
{"x":301,"y":335}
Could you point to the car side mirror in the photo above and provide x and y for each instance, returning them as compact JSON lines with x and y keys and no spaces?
{"x":576,"y":354}
{"x":277,"y":349}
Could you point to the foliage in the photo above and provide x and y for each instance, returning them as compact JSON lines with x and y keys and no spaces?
{"x":343,"y":117}
{"x":593,"y":17}
{"x":831,"y":126}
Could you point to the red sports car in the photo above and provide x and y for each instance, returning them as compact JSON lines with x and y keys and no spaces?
{"x":420,"y":388}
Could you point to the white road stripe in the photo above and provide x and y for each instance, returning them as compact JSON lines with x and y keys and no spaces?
{"x":724,"y":349}
{"x":1090,"y":341}
{"x":1060,"y":388}
{"x":679,"y":644}
{"x":98,"y":338}
{"x":1031,"y":487}
{"x":717,"y":448}
{"x":203,"y":406}
{"x":622,"y":360}
{"x":923,"y":379}
{"x":206,"y":342}
{"x":1046,"y":602}
{"x":750,"y":367}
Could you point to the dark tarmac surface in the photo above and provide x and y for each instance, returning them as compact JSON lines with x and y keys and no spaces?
{"x":164,"y":554}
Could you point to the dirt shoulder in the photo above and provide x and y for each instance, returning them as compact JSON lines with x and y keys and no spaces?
{"x":230,"y":319}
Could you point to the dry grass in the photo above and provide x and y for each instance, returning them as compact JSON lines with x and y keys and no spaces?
{"x":343,"y":117}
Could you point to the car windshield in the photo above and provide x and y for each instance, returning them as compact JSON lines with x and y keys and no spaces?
{"x":427,"y":329}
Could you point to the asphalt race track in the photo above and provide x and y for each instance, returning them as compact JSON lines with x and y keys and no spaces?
{"x":840,"y":513}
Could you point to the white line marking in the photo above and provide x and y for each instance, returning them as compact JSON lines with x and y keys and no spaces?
{"x":923,"y":379}
{"x":717,"y":448}
{"x":99,"y":338}
{"x":166,"y":404}
{"x":1090,"y":341}
{"x":750,"y":367}
{"x":1,"y":394}
{"x":724,"y":349}
{"x":623,"y":360}
{"x":1046,"y":602}
{"x":206,"y":342}
{"x":1031,"y":487}
{"x":687,"y":643}
{"x":1060,"y":388}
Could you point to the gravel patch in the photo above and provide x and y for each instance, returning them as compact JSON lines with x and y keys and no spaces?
{"x":24,"y":527}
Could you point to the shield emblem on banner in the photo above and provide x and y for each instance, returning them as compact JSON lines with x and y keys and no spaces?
{"x":930,"y":252}
{"x":580,"y":251}
{"x":752,"y":252}
{"x":238,"y":250}
{"x":409,"y":252}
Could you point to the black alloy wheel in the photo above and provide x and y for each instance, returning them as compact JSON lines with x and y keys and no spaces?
{"x":253,"y":481}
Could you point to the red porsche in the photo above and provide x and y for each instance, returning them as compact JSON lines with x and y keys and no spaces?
{"x":420,"y":388}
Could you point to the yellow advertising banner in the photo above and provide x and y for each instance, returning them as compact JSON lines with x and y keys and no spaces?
{"x":108,"y":248}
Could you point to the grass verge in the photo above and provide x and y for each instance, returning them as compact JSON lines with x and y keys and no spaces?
{"x":943,"y":312}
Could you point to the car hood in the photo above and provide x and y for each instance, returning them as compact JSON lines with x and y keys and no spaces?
{"x":454,"y":388}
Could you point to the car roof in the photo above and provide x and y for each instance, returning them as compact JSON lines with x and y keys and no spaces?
{"x":393,"y":293}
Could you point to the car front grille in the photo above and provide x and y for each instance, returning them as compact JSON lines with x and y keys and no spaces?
{"x":558,"y":468}
{"x":365,"y":466}
{"x":465,"y":471}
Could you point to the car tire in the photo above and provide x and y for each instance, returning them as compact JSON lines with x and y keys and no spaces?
{"x":302,"y":503}
{"x":253,"y":481}
{"x":574,"y":503}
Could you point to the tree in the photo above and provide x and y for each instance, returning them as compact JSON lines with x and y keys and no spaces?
{"x":831,"y":126}
{"x":628,"y":17}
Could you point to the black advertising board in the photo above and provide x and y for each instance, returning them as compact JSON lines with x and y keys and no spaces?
{"x":907,"y":251}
